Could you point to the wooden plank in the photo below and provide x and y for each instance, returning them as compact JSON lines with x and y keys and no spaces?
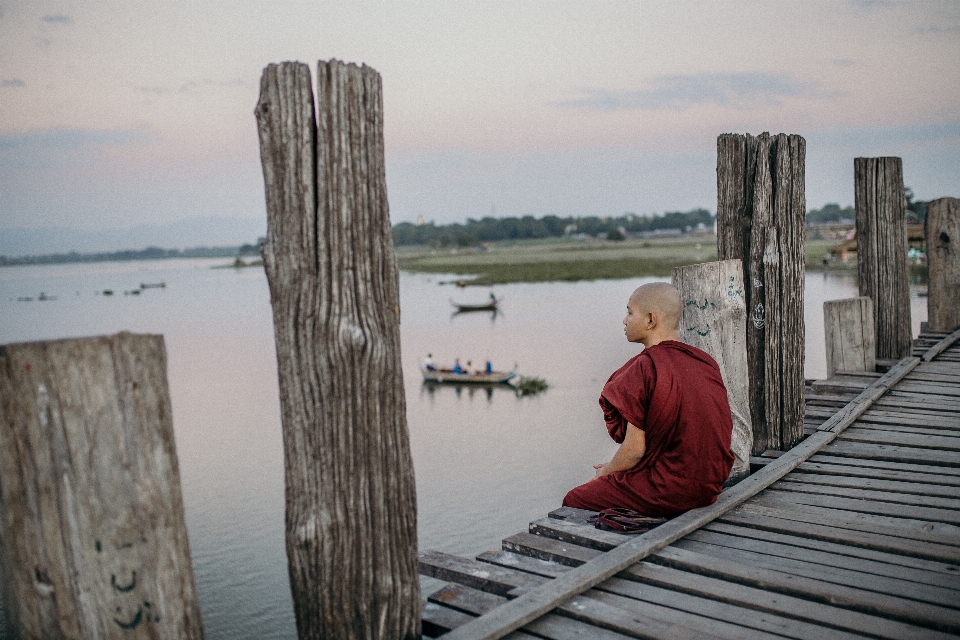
{"x":585,"y":535}
{"x":912,"y":553}
{"x":869,"y":427}
{"x":868,"y":585}
{"x":923,"y":386}
{"x":941,"y":496}
{"x":635,"y":615}
{"x":437,"y":619}
{"x":886,"y":416}
{"x":926,"y":531}
{"x":947,"y":368}
{"x":939,"y":470}
{"x":768,"y":601}
{"x":893,"y":454}
{"x":859,"y":505}
{"x":522,"y":563}
{"x":485,"y":577}
{"x":846,"y":416}
{"x":582,"y":614}
{"x":466,"y":599}
{"x":532,"y":604}
{"x":833,"y":555}
{"x":938,"y":503}
{"x":870,"y":473}
{"x":924,"y":402}
{"x":676,"y":600}
{"x":543,"y":548}
{"x":724,"y":611}
{"x":920,"y":441}
{"x":941,"y":346}
{"x":919,"y":376}
{"x":912,"y":611}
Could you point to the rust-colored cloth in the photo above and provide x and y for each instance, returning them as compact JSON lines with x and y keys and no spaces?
{"x":675,"y":394}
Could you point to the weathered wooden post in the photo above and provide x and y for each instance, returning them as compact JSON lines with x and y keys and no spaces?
{"x":849,"y":335}
{"x":715,"y":319}
{"x":943,"y":259}
{"x":351,"y":503}
{"x":761,"y":209}
{"x":93,"y":542}
{"x":882,"y":251}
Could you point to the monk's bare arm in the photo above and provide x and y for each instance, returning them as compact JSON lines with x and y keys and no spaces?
{"x":629,"y":454}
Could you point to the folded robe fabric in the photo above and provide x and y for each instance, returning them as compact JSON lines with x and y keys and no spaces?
{"x":673,"y":392}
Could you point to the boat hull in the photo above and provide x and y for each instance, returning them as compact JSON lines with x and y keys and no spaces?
{"x":449,"y":377}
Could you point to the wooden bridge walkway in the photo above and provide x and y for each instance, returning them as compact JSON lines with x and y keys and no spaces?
{"x":853,"y":533}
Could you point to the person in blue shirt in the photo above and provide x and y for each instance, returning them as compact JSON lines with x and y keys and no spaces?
{"x":456,"y":366}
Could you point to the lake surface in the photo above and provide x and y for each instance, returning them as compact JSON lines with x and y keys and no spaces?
{"x":486,"y":463}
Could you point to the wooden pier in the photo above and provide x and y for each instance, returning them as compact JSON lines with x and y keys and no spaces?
{"x":853,"y":533}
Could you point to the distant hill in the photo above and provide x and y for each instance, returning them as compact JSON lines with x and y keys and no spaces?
{"x":181,"y":234}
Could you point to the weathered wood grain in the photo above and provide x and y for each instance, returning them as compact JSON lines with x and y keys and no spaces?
{"x":763,"y":621}
{"x":760,"y":220}
{"x":849,"y":335}
{"x":865,"y":400}
{"x":884,"y":549}
{"x":329,"y":259}
{"x":943,"y":258}
{"x":882,"y":565}
{"x":765,"y":600}
{"x":882,"y":250}
{"x":845,"y":470}
{"x":733,"y":568}
{"x":714,"y":319}
{"x":93,"y":542}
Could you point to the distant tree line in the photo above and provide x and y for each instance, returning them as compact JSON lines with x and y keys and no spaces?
{"x":150,"y":253}
{"x":527,"y":228}
{"x":916,"y":211}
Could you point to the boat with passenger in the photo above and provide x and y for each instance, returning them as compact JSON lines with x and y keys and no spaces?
{"x":453,"y":376}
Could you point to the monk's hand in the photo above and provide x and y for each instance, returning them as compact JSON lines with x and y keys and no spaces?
{"x":598,"y":468}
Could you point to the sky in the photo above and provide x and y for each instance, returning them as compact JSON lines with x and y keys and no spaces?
{"x":116,"y":114}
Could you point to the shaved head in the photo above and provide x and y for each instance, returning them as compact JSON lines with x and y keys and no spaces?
{"x":661,"y":298}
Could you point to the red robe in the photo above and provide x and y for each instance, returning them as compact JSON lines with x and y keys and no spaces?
{"x":675,"y":394}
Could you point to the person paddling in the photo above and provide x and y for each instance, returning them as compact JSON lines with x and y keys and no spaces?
{"x":667,"y":408}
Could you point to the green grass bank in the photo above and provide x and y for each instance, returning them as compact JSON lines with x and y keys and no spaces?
{"x":570,"y":260}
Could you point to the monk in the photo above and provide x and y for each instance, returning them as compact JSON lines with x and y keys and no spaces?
{"x":667,"y":408}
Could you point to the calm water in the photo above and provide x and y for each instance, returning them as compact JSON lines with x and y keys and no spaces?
{"x":486,"y":463}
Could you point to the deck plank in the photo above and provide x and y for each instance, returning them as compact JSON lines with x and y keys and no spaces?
{"x":918,"y":613}
{"x":766,"y":522}
{"x":762,"y":599}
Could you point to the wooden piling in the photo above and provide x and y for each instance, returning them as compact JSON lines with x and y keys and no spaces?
{"x":329,"y":258}
{"x":93,"y":542}
{"x":882,"y":251}
{"x":761,"y":210}
{"x":849,"y":335}
{"x":943,"y":259}
{"x":714,"y":319}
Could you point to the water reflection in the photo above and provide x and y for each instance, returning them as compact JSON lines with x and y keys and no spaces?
{"x":429,"y":389}
{"x":477,"y":312}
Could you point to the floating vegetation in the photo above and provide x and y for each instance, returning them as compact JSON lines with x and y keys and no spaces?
{"x":530,"y":386}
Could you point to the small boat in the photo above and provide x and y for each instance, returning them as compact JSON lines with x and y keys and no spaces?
{"x":448,"y":376}
{"x":484,"y":306}
{"x":153,"y":285}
